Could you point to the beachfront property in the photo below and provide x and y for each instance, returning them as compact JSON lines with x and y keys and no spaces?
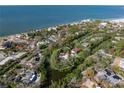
{"x":102,"y":25}
{"x":7,"y":44}
{"x":52,"y":28}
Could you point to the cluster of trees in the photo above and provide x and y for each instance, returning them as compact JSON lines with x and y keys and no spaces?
{"x":75,"y":73}
{"x":41,"y":69}
{"x":98,"y":42}
{"x":119,"y":49}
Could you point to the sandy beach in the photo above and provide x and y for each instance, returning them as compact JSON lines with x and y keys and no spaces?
{"x":121,"y":20}
{"x":117,"y":20}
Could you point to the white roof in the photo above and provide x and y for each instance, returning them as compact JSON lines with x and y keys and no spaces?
{"x":5,"y":60}
{"x":13,"y":57}
{"x":103,"y":24}
{"x":40,"y":43}
{"x":20,"y":54}
{"x":65,"y":56}
{"x":122,"y":63}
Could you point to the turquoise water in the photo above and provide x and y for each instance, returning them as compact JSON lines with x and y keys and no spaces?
{"x":16,"y":19}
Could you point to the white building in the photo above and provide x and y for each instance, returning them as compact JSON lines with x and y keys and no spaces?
{"x":12,"y":57}
{"x":121,"y":63}
{"x":102,"y":25}
{"x":64,"y":56}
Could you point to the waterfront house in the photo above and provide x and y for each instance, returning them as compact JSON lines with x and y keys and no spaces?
{"x":102,"y":25}
{"x":52,"y":28}
{"x":7,"y":44}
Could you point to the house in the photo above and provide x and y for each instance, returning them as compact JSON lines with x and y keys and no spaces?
{"x":96,"y":38}
{"x":43,"y":42}
{"x":29,"y":77}
{"x":118,"y":38}
{"x":52,"y":38}
{"x":12,"y":57}
{"x":85,"y":44}
{"x":122,"y":63}
{"x":6,"y":60}
{"x":29,"y":64}
{"x":110,"y":31}
{"x":7,"y":44}
{"x":86,"y":20}
{"x":119,"y":62}
{"x":102,"y":25}
{"x":77,"y":33}
{"x":40,"y":43}
{"x":74,"y":51}
{"x":114,"y":42}
{"x":103,"y":53}
{"x":109,"y":76}
{"x":52,"y":28}
{"x":64,"y":56}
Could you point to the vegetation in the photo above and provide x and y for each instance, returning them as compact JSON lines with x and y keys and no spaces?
{"x":63,"y":61}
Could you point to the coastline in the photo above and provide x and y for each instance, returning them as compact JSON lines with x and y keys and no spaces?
{"x":118,"y":20}
{"x":115,"y":20}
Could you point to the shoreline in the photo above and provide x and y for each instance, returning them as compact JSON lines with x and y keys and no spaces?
{"x":115,"y":20}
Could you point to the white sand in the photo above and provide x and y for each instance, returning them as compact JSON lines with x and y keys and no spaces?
{"x":117,"y":20}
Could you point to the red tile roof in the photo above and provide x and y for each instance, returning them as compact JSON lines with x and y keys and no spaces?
{"x":76,"y":49}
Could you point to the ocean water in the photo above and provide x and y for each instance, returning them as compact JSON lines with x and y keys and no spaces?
{"x":17,"y":19}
